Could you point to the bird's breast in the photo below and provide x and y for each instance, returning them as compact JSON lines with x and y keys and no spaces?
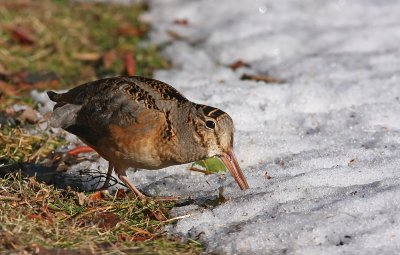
{"x":143,"y":144}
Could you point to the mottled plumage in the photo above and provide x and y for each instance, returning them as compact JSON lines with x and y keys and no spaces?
{"x":144,"y":123}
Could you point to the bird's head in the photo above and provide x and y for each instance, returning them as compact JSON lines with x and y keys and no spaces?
{"x":214,"y":131}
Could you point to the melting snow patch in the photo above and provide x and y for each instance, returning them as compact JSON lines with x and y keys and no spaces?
{"x":321,"y":151}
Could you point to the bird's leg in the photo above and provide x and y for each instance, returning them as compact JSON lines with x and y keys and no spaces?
{"x":128,"y":183}
{"x":108,"y":177}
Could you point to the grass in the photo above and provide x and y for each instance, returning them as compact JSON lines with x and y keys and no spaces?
{"x":36,"y":216}
{"x":78,"y":42}
{"x":17,"y":145}
{"x":53,"y":44}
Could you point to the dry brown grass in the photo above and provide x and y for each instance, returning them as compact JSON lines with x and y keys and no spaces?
{"x":19,"y":145}
{"x":34,"y":215}
{"x":76,"y":42}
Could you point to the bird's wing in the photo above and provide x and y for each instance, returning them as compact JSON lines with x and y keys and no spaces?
{"x":90,"y":109}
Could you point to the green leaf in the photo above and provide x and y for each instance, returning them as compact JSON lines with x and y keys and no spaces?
{"x":213,"y":165}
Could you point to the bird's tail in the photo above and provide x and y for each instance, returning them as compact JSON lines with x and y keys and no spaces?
{"x":55,"y":97}
{"x":64,"y":114}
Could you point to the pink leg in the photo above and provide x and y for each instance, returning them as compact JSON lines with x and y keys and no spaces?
{"x":128,"y":183}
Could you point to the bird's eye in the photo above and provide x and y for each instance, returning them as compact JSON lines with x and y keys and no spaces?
{"x":210,"y":124}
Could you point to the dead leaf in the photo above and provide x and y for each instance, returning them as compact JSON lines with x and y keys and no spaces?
{"x":130,"y":63}
{"x":121,"y":193}
{"x":16,"y":5}
{"x":107,"y":220}
{"x":264,"y":78}
{"x":9,"y":241}
{"x":17,"y":77}
{"x":159,"y":215}
{"x":22,"y":35}
{"x":45,"y":215}
{"x":96,"y":196}
{"x":82,"y":198}
{"x":109,"y":58}
{"x":238,"y":64}
{"x":182,"y":22}
{"x":45,"y":84}
{"x":32,"y":182}
{"x":87,"y":56}
{"x":130,"y":30}
{"x":351,"y":162}
{"x":124,"y":237}
{"x":35,"y":77}
{"x":2,"y":69}
{"x":29,"y":115}
{"x":141,"y":231}
{"x":7,"y":89}
{"x":175,"y":35}
{"x":267,"y":176}
{"x":31,"y":80}
{"x":10,"y":111}
{"x":140,"y":238}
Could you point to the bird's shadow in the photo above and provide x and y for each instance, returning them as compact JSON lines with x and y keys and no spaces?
{"x":89,"y":180}
{"x":80,"y":180}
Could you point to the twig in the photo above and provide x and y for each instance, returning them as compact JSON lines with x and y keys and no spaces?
{"x":206,"y":172}
{"x":9,"y":198}
{"x":78,"y":216}
{"x":177,"y":218}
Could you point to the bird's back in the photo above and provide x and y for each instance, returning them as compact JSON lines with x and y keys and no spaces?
{"x":89,"y":110}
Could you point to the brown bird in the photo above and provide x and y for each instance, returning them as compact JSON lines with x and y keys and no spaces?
{"x":144,"y":123}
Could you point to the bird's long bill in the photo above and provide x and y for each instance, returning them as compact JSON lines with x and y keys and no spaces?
{"x":231,"y":163}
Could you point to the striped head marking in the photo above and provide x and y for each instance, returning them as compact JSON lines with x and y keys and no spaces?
{"x":214,"y":129}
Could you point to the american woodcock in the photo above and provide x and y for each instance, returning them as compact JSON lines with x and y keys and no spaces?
{"x":144,"y":123}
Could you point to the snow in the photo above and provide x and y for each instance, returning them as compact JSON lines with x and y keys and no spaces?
{"x":328,"y":137}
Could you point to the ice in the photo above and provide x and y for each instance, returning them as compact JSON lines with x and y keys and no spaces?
{"x":320,"y":151}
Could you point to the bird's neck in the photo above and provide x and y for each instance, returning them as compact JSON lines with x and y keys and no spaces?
{"x":187,"y":146}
